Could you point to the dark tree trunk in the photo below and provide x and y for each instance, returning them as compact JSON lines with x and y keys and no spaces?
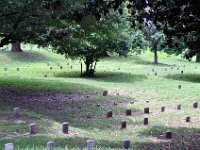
{"x":16,"y":47}
{"x":89,"y":72}
{"x":155,"y":57}
{"x":198,"y":57}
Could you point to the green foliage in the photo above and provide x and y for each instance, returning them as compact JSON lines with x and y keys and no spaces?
{"x":139,"y":43}
{"x":91,"y":40}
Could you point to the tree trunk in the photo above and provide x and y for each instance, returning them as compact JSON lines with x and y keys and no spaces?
{"x":198,"y":57}
{"x":16,"y":47}
{"x":89,"y":72}
{"x":155,"y":57}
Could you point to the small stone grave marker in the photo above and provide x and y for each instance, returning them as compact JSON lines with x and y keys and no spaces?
{"x":169,"y":135}
{"x":17,"y":69}
{"x":146,"y":121}
{"x":32,"y":129}
{"x":162,"y":109}
{"x":105,"y":93}
{"x":179,"y":106}
{"x":109,"y":114}
{"x":9,"y":146}
{"x":98,"y":105}
{"x":156,"y":73}
{"x":187,"y":119}
{"x":146,"y":110}
{"x":65,"y":127}
{"x":90,"y":144}
{"x":61,"y":67}
{"x":45,"y":75}
{"x":51,"y":145}
{"x":179,"y":86}
{"x":123,"y":125}
{"x":195,"y":105}
{"x":5,"y":69}
{"x":51,"y":68}
{"x":126,"y":144}
{"x":182,"y":72}
{"x":115,"y":104}
{"x":128,"y":112}
{"x":16,"y":112}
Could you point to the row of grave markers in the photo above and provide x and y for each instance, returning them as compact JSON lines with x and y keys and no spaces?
{"x":90,"y":144}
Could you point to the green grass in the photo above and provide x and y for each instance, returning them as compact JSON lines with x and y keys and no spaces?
{"x":50,"y":101}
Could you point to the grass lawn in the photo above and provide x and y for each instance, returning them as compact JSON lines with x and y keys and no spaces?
{"x":49,"y":95}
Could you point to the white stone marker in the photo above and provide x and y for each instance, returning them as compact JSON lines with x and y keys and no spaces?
{"x":16,"y":112}
{"x":51,"y":145}
{"x":90,"y":144}
{"x":9,"y":146}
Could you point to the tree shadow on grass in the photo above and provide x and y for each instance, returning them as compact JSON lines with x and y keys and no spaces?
{"x":195,"y":78}
{"x":140,"y":61}
{"x":182,"y":138}
{"x":115,"y":77}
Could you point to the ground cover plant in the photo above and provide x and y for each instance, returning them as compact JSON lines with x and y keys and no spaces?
{"x":49,"y":91}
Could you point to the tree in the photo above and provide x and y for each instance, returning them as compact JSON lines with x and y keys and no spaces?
{"x":180,"y":19}
{"x":22,"y":21}
{"x":91,"y":40}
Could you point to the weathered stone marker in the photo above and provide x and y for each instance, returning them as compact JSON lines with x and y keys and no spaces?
{"x":90,"y":144}
{"x":5,"y":69}
{"x":51,"y":145}
{"x":156,"y":73}
{"x":128,"y":112}
{"x":126,"y":144}
{"x":98,"y":105}
{"x":179,"y":86}
{"x":146,"y":110}
{"x":187,"y":119}
{"x":32,"y":129}
{"x":105,"y":93}
{"x":9,"y":146}
{"x":115,"y":104}
{"x":45,"y":75}
{"x":182,"y":72}
{"x":169,"y":135}
{"x":162,"y":109}
{"x":16,"y":112}
{"x":65,"y":127}
{"x":109,"y":114}
{"x":17,"y":69}
{"x":146,"y":121}
{"x":123,"y":125}
{"x":195,"y":105}
{"x":61,"y":67}
{"x":51,"y":68}
{"x":179,"y":106}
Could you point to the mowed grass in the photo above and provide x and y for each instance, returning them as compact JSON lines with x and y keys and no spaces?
{"x":49,"y":97}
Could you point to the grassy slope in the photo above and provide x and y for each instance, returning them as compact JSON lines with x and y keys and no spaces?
{"x":128,"y":77}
